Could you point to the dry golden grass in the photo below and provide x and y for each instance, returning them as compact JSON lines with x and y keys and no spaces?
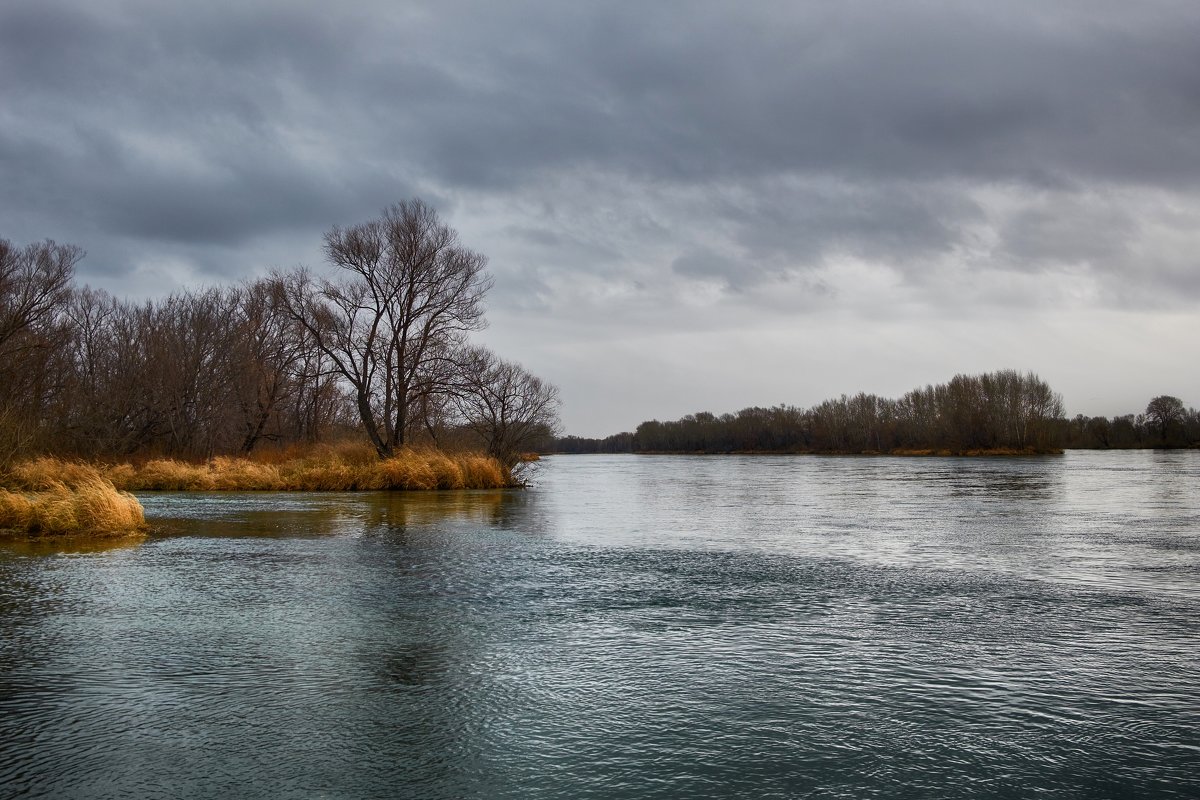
{"x":164,"y":474}
{"x":337,"y":468}
{"x":51,"y":497}
{"x":16,"y":510}
{"x":483,"y":471}
{"x":326,"y":452}
{"x":49,"y":474}
{"x":243,"y":474}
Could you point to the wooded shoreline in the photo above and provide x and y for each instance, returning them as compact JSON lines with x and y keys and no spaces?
{"x":1000,"y":413}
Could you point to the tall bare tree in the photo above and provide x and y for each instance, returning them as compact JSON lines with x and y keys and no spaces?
{"x":407,"y":294}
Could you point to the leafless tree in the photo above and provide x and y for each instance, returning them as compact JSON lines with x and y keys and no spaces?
{"x":35,"y":285}
{"x":510,"y":410}
{"x":1163,"y":412}
{"x":189,"y":343}
{"x":105,"y":408}
{"x":265,"y":348}
{"x":317,"y":401}
{"x":407,"y":294}
{"x":208,"y":371}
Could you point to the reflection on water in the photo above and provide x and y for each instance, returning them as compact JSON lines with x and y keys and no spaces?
{"x":69,"y":545}
{"x":631,"y":627}
{"x":292,"y":514}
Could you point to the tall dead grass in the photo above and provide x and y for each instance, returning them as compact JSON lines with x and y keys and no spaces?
{"x":52,"y":497}
{"x":339,"y":468}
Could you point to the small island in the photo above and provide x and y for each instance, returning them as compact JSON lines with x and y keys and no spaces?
{"x":362,"y":379}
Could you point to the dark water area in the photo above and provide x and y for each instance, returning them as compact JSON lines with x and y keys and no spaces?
{"x":642,"y":627}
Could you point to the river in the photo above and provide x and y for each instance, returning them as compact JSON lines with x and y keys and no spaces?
{"x":630,"y":626}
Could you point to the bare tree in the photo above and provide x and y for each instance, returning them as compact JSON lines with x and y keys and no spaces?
{"x":1163,"y":412}
{"x":35,"y":283}
{"x":106,"y":408}
{"x":509,"y":409}
{"x":189,"y":343}
{"x":407,"y":295}
{"x":35,"y":286}
{"x":265,"y":348}
{"x":318,"y":401}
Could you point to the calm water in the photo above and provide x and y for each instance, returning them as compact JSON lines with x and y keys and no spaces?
{"x":642,"y":627}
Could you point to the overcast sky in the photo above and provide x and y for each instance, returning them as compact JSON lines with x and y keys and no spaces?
{"x":686,"y":205}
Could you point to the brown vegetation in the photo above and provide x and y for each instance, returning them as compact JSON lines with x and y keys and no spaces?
{"x":52,"y":497}
{"x":48,"y":497}
{"x":345,"y":468}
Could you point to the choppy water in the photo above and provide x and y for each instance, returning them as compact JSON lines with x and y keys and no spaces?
{"x":644,"y":627}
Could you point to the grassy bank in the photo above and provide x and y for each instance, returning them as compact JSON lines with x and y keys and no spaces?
{"x":55,"y":497}
{"x":48,"y":497}
{"x":321,"y":469}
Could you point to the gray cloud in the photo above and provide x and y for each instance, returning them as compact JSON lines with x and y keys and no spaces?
{"x":1070,"y":231}
{"x":706,"y":265}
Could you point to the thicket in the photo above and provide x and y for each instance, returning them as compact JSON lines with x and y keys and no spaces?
{"x":1165,"y":423}
{"x":996,"y":412}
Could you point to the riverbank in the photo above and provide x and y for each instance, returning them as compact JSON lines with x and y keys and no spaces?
{"x":57,"y":497}
{"x":322,"y":469}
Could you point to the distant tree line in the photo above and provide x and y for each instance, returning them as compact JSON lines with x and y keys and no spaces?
{"x":1165,"y":423}
{"x":380,"y":350}
{"x":997,"y":411}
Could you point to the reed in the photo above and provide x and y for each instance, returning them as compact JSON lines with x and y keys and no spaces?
{"x":49,"y":497}
{"x":54,"y":497}
{"x":336,"y":468}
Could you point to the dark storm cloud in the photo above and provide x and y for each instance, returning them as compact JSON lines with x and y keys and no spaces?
{"x":133,"y":124}
{"x":782,"y":134}
{"x":873,"y":90}
{"x":803,"y":223}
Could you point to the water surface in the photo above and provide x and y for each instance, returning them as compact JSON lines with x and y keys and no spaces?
{"x":630,"y":627}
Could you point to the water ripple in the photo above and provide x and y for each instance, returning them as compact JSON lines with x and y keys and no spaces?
{"x":650,"y":628}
